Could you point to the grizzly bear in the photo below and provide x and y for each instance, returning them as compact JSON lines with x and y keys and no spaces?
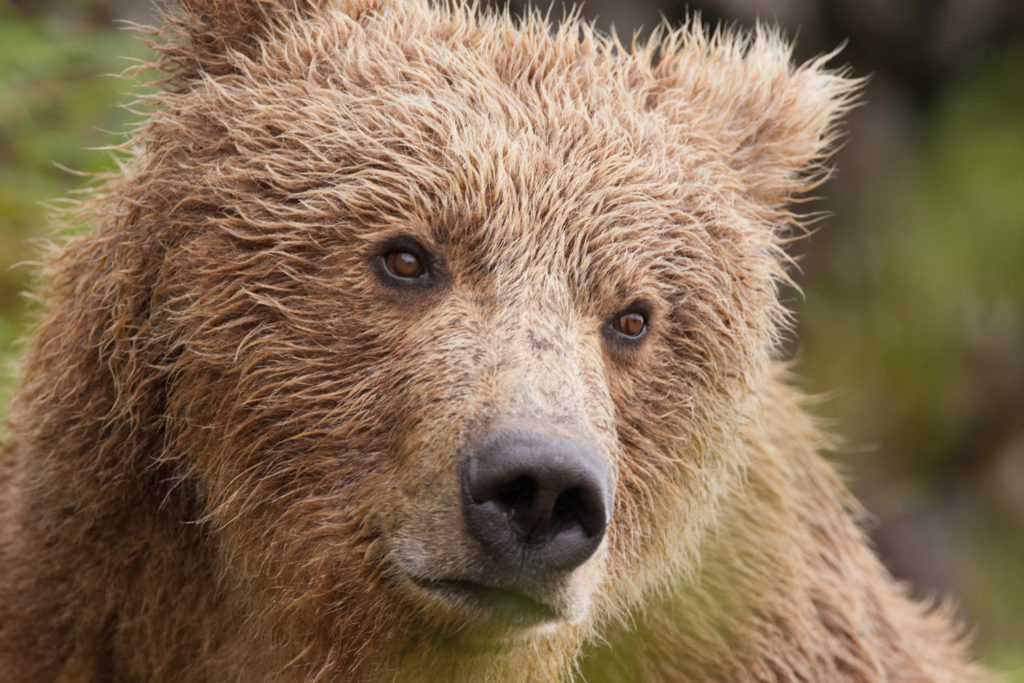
{"x":419,"y":342}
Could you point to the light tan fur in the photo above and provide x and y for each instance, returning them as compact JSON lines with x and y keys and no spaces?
{"x":234,"y":445}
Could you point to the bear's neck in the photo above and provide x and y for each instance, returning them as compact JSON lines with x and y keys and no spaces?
{"x":787,"y":588}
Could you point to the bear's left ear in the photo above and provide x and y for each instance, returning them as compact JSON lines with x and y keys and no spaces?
{"x":772,"y":122}
{"x":207,"y":31}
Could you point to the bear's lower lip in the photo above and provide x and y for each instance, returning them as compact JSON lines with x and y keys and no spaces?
{"x":511,"y":606}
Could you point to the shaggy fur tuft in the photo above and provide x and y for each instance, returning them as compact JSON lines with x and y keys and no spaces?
{"x":236,"y":443}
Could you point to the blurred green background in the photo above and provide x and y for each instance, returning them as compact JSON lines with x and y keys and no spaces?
{"x":911,"y":320}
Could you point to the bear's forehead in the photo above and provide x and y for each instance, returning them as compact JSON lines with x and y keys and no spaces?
{"x":449,"y":91}
{"x":476,"y":135}
{"x":518,"y":128}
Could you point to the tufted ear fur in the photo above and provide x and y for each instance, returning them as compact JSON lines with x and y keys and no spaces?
{"x":207,"y":33}
{"x":774,"y":122}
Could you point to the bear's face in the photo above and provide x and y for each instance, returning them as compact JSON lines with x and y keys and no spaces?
{"x":458,"y":318}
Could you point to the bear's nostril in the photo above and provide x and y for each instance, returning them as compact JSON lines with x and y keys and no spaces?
{"x":536,"y":503}
{"x":517,"y":495}
{"x":570,"y":508}
{"x":566,"y":503}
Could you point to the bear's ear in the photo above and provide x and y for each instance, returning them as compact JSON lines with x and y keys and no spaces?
{"x":206,"y":32}
{"x":774,"y":124}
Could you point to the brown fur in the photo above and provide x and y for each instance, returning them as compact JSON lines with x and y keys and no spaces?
{"x":232,"y":444}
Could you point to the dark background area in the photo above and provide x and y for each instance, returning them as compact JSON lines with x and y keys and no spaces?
{"x":911,"y":319}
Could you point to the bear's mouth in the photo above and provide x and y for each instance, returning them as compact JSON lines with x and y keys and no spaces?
{"x":512,"y":607}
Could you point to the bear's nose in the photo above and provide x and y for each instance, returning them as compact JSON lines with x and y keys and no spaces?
{"x":537,"y":503}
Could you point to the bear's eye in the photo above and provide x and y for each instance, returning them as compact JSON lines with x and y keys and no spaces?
{"x":404,"y":264}
{"x":632,"y":324}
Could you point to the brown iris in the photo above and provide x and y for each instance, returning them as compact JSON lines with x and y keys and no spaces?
{"x":404,"y":264}
{"x":630,"y":324}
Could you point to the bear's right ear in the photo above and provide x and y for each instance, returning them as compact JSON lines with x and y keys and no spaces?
{"x":206,"y":32}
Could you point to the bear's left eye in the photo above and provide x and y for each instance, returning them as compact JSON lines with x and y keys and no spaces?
{"x":632,"y":325}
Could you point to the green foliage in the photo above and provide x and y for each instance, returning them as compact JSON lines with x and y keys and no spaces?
{"x":930,"y":283}
{"x":915,"y":328}
{"x":56,"y":108}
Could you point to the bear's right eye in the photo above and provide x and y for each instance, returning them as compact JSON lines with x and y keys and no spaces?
{"x":404,"y":264}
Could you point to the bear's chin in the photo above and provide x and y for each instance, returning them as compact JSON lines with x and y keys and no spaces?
{"x":496,"y":636}
{"x":498,"y":613}
{"x":509,"y":606}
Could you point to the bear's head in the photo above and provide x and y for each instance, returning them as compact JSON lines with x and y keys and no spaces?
{"x":450,"y":323}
